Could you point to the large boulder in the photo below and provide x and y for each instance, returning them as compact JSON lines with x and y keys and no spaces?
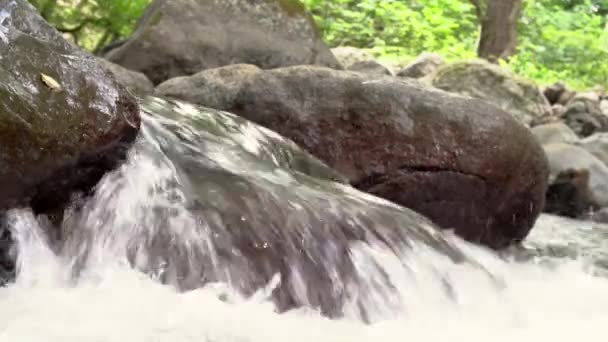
{"x":464,"y":163}
{"x":220,"y":203}
{"x":64,"y":121}
{"x":489,"y":82}
{"x":182,"y":37}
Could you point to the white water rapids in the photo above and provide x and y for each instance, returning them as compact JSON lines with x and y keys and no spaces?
{"x":556,"y":292}
{"x":556,"y":301}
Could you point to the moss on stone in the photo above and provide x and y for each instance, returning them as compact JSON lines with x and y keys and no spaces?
{"x":291,"y":7}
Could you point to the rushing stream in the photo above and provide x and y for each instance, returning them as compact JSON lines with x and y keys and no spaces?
{"x":129,"y":260}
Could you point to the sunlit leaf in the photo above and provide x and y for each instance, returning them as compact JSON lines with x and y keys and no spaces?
{"x":50,"y":82}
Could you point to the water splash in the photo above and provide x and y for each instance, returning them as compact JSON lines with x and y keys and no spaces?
{"x":117,"y":303}
{"x":181,"y":214}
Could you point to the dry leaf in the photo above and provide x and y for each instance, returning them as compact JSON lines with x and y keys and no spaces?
{"x":50,"y":82}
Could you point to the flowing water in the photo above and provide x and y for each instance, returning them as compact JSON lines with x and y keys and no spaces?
{"x":128,"y":252}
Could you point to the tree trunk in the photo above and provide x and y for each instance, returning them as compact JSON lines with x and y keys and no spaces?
{"x":498,"y":38}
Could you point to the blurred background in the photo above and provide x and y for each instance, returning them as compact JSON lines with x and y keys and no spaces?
{"x":553,"y":40}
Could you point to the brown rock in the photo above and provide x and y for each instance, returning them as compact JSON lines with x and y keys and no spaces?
{"x":569,"y":194}
{"x":64,"y":121}
{"x":463,"y":163}
{"x":554,"y":91}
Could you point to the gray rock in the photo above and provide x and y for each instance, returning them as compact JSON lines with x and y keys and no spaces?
{"x":563,"y":157}
{"x":132,"y":80}
{"x":557,"y":132}
{"x":604,"y":107}
{"x":565,"y":97}
{"x":558,"y":110}
{"x":423,"y":65}
{"x":215,"y":88}
{"x":370,"y":67}
{"x":600,"y":215}
{"x":182,"y":37}
{"x":584,"y":116}
{"x":457,"y":160}
{"x":348,"y":55}
{"x":596,"y":144}
{"x":493,"y":84}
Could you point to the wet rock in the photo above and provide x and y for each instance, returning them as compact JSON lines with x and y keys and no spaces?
{"x":489,"y":82}
{"x":64,"y":121}
{"x":465,"y":164}
{"x":584,"y":116}
{"x":554,"y":92}
{"x":7,"y":253}
{"x":180,"y":37}
{"x":563,"y":158}
{"x":215,"y":88}
{"x":135,"y":81}
{"x":569,"y":194}
{"x":348,"y":55}
{"x":424,"y":65}
{"x":600,"y":215}
{"x":220,"y":206}
{"x":556,"y":132}
{"x":370,"y":67}
{"x":596,"y":144}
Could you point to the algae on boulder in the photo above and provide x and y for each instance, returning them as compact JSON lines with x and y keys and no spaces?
{"x":495,"y":85}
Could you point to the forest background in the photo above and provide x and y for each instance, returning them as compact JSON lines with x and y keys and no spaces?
{"x":544,"y":40}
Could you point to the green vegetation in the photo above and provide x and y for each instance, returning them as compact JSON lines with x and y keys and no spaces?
{"x":564,"y":40}
{"x":92,"y":24}
{"x":557,"y":39}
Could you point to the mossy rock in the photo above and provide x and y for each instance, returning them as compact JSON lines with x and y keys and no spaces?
{"x":479,"y":79}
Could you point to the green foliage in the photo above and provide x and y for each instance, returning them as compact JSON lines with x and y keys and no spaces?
{"x":398,"y":28}
{"x":92,"y":23}
{"x":558,"y":42}
{"x":558,"y":39}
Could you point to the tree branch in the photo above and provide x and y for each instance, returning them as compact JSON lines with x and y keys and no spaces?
{"x":85,"y":22}
{"x":75,"y":28}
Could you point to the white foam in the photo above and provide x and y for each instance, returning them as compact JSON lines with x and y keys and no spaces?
{"x":532,"y":302}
